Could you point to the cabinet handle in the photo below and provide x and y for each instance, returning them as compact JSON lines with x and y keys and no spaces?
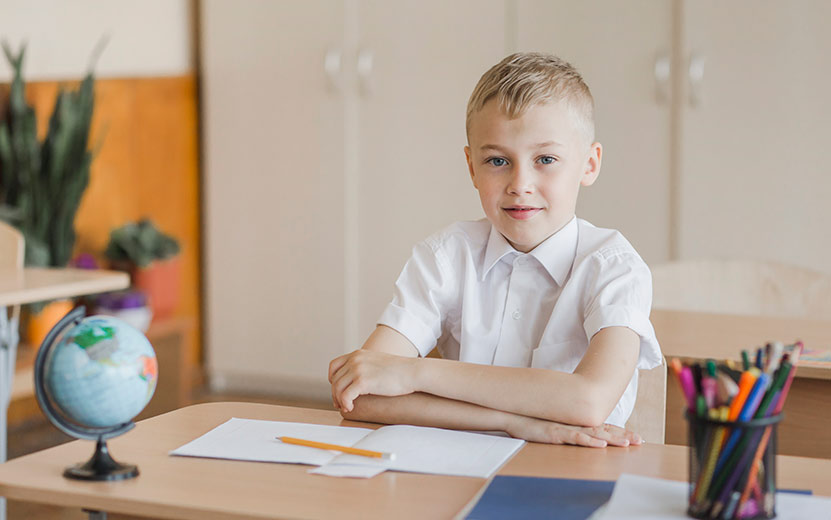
{"x":365,"y":64}
{"x":662,"y":71}
{"x":695,"y":75}
{"x":332,"y":63}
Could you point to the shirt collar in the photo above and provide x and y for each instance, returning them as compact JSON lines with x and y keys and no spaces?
{"x":556,"y":253}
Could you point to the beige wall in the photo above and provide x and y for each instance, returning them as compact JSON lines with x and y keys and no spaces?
{"x":146,"y":38}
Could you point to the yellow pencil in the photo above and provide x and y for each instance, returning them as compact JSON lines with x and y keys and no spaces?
{"x":345,"y":449}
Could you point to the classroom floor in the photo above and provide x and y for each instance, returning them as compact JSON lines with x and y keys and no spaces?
{"x":35,"y":435}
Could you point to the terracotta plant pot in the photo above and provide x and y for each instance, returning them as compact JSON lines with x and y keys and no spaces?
{"x":39,"y":325}
{"x":161,"y":282}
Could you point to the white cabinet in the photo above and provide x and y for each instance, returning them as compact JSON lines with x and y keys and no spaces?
{"x":272,"y":190}
{"x":334,"y":135}
{"x":754,"y":180}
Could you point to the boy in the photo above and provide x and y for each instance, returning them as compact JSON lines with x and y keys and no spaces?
{"x":541,"y":318}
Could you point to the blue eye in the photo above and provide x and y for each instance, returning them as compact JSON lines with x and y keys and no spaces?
{"x":497,"y":161}
{"x":547,"y":159}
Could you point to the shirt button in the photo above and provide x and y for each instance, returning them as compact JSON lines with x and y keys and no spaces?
{"x":516,"y":314}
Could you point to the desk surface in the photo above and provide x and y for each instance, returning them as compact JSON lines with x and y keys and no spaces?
{"x":181,"y":487}
{"x":721,"y":336}
{"x":34,"y":284}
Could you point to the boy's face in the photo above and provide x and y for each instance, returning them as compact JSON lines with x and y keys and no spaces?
{"x":529,"y":170}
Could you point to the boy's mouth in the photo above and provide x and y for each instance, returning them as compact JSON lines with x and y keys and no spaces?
{"x":521,"y":212}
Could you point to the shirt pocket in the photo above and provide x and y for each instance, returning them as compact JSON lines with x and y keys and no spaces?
{"x":563,"y":356}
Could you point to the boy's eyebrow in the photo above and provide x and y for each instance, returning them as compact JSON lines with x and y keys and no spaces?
{"x":536,"y":146}
{"x":490,"y":147}
{"x":548,"y":143}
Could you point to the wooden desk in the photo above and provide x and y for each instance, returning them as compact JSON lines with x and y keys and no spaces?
{"x":697,"y":336}
{"x":192,"y":488}
{"x":35,"y":284}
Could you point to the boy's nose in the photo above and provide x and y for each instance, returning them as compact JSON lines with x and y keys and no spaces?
{"x":521,"y":181}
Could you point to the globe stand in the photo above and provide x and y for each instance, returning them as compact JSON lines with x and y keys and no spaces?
{"x":101,"y":466}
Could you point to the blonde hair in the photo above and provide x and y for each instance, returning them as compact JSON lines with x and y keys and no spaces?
{"x":525,"y":79}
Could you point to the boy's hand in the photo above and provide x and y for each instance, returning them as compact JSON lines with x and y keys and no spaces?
{"x":549,"y":432}
{"x":367,"y":372}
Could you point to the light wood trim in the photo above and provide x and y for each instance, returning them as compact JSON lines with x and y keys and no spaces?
{"x":181,"y":487}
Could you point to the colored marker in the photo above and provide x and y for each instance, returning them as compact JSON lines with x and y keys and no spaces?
{"x":688,"y":387}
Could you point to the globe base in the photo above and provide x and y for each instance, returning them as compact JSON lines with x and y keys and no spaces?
{"x":101,"y":467}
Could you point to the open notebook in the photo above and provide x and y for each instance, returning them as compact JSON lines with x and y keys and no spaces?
{"x":417,"y":449}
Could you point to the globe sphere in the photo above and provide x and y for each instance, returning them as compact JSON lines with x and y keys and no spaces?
{"x":100,"y":373}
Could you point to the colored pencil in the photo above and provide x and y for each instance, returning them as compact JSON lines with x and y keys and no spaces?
{"x":336,"y":447}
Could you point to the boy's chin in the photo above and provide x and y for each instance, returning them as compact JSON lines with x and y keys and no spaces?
{"x":521,"y":243}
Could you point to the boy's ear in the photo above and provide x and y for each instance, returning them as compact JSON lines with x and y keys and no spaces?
{"x":592,"y":169}
{"x":470,"y":166}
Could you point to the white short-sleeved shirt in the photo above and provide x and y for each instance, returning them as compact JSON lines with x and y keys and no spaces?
{"x":467,"y":290}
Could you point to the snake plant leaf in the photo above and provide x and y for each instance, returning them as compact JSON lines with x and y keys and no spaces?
{"x":43,"y":182}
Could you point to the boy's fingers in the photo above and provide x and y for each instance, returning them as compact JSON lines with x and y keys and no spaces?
{"x":352,"y":392}
{"x":339,"y":386}
{"x":610,"y":437}
{"x":584,"y":439}
{"x":336,"y":364}
{"x":623,"y":433}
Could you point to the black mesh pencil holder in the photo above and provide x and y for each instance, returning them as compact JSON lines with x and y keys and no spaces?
{"x":732,"y":468}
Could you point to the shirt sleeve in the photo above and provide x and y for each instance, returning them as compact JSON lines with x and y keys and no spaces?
{"x":621,"y":296}
{"x":423,"y":295}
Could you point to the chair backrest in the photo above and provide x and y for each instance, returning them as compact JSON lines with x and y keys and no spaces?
{"x":742,"y":287}
{"x":11,"y":247}
{"x":648,"y":418}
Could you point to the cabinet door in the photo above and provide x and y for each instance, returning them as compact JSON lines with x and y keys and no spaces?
{"x":615,"y":46}
{"x":273,"y":191}
{"x":412,"y":178}
{"x":754,"y":180}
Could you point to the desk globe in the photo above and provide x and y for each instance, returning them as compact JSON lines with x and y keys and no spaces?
{"x":92,"y":377}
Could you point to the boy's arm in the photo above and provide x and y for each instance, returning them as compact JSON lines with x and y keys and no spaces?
{"x":428,"y":410}
{"x":585,"y":397}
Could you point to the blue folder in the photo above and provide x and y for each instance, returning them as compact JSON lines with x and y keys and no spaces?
{"x":520,"y":498}
{"x":526,"y":498}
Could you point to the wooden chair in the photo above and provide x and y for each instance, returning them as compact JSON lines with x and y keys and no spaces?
{"x":741,"y":287}
{"x":648,"y":418}
{"x":11,"y":247}
{"x":11,"y":259}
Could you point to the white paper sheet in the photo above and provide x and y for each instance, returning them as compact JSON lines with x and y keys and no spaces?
{"x":646,"y":498}
{"x":434,"y":450}
{"x":417,"y":449}
{"x":347,"y":470}
{"x":251,"y":439}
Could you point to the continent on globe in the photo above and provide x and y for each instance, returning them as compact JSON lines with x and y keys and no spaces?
{"x":98,"y":342}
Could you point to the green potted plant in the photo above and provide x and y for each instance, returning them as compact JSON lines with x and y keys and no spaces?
{"x":151,"y":258}
{"x":41,"y":183}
